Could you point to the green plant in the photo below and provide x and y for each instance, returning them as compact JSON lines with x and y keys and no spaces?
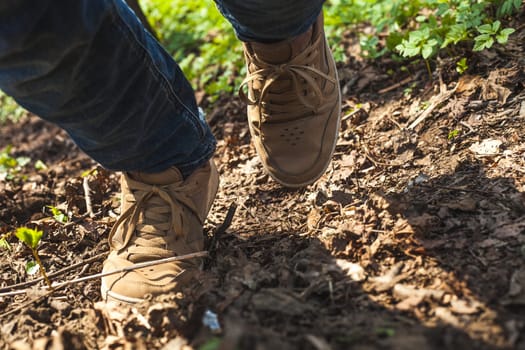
{"x":371,"y":47}
{"x":31,"y":238}
{"x":507,"y":7}
{"x":9,"y":109}
{"x":40,"y":165}
{"x":58,"y":215}
{"x":423,"y":28}
{"x":201,"y":41}
{"x":490,"y":32}
{"x":9,"y":165}
{"x":461,"y":65}
{"x":452,"y":134}
{"x":419,"y":42}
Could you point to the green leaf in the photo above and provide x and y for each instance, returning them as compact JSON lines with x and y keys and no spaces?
{"x":461,"y":65}
{"x":453,"y":134}
{"x":29,"y":236}
{"x":32,"y":267}
{"x":22,"y":161}
{"x":407,"y":49}
{"x":495,"y":26}
{"x":507,"y":31}
{"x":503,"y":35}
{"x":89,"y":172}
{"x":40,"y":165}
{"x":485,"y":29}
{"x":483,"y":41}
{"x":455,"y":34}
{"x":58,"y":215}
{"x":427,"y":51}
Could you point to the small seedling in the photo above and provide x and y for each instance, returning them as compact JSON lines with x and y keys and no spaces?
{"x":32,"y":267}
{"x":58,"y":215}
{"x":40,"y":165}
{"x":89,"y":172}
{"x":31,"y":238}
{"x":461,"y":65}
{"x":452,"y":134}
{"x":10,"y":165}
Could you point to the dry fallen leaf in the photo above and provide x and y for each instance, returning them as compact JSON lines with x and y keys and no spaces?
{"x":487,"y":147}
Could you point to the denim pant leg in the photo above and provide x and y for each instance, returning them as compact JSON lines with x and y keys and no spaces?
{"x":270,"y":20}
{"x":91,"y":68}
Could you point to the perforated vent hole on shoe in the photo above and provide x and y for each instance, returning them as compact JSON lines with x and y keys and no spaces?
{"x":292,"y":135}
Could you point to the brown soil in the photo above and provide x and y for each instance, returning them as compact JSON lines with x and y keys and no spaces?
{"x":414,"y":238}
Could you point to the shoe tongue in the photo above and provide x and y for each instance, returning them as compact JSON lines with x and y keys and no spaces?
{"x":165,"y":177}
{"x":282,"y":51}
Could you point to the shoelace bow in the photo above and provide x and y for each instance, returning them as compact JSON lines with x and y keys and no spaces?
{"x":270,"y":73}
{"x":129,"y":218}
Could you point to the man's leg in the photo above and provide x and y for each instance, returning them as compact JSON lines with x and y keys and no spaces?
{"x":90,"y":67}
{"x":294,"y":100}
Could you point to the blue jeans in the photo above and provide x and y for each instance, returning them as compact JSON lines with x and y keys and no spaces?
{"x":91,"y":68}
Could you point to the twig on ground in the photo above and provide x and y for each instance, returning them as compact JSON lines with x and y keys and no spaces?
{"x":30,"y":302}
{"x":470,"y":128}
{"x":443,"y":95}
{"x":227,"y":220}
{"x":125,"y":269}
{"x":54,"y":274}
{"x":87,"y":196}
{"x":396,"y":85}
{"x":223,"y":227}
{"x":374,"y":161}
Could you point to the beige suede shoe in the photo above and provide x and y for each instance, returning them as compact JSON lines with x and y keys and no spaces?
{"x":162,"y":216}
{"x":294,"y":105}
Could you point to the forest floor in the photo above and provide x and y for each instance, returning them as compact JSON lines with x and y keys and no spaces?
{"x":413,"y":239}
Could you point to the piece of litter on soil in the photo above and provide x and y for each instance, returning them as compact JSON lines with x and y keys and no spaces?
{"x":487,"y":147}
{"x":464,"y":307}
{"x":421,"y":178}
{"x":211,"y":321}
{"x":250,"y":167}
{"x":352,"y":270}
{"x":403,"y":291}
{"x":446,"y":316}
{"x":389,"y":279}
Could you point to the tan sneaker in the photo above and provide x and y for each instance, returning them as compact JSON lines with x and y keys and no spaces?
{"x":294,"y":105}
{"x":162,"y":216}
